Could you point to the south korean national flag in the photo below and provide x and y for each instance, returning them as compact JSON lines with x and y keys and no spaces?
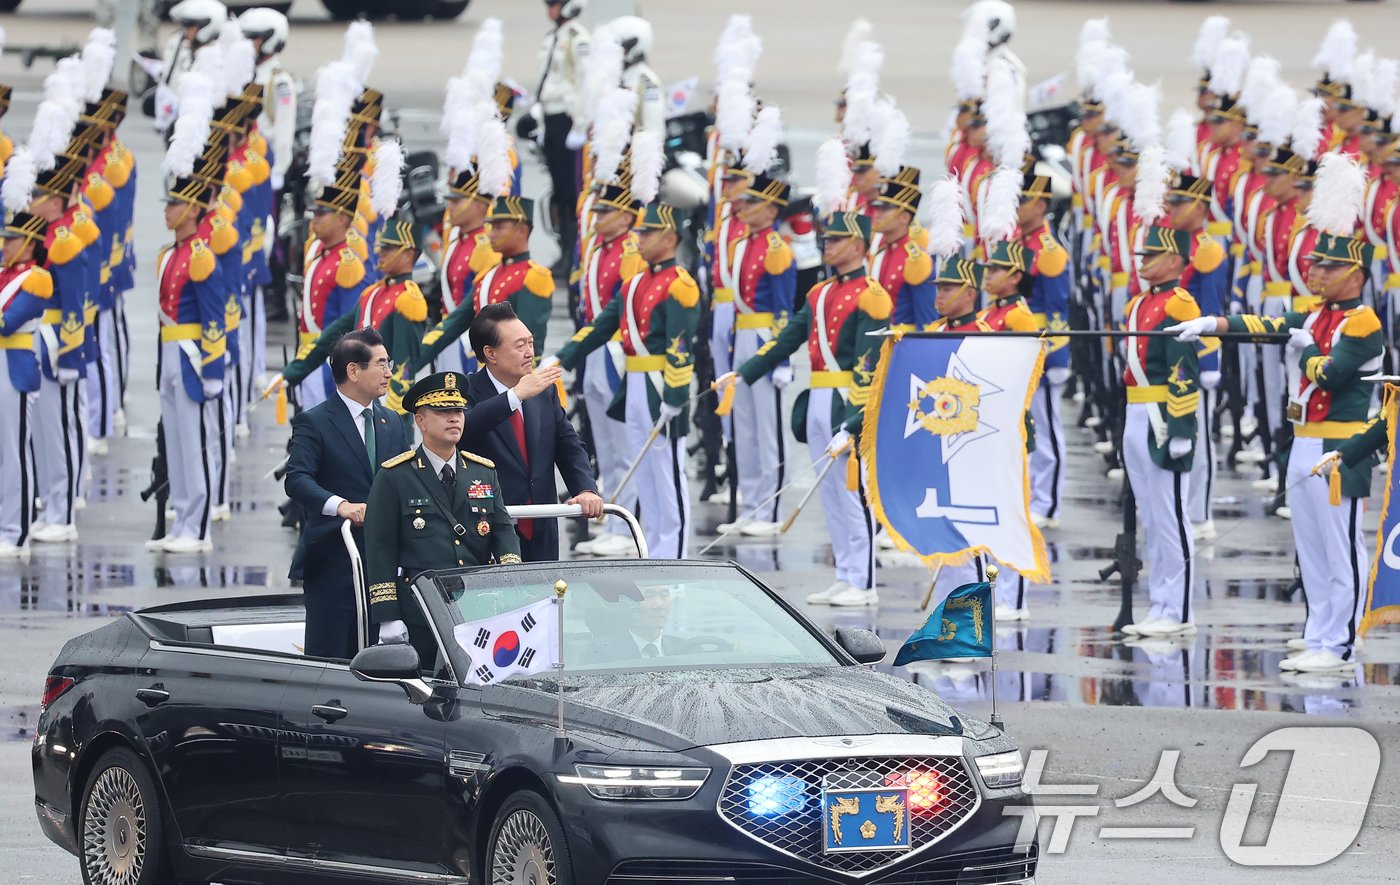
{"x":521,"y":641}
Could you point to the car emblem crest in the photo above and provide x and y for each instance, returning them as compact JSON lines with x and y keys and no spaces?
{"x":843,"y":742}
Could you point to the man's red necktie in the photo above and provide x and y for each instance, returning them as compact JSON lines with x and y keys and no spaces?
{"x":526,"y":527}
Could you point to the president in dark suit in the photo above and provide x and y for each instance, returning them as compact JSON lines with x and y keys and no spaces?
{"x":337,"y":447}
{"x":514,"y":419}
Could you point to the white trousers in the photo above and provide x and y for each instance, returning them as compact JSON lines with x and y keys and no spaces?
{"x":192,"y":445}
{"x":255,"y":308}
{"x":758,"y":432}
{"x":17,"y":474}
{"x":721,"y":340}
{"x":1161,"y":504}
{"x":123,"y":350}
{"x":1047,"y":462}
{"x":453,"y":358}
{"x":103,"y":379}
{"x":1203,"y":465}
{"x":849,"y":521}
{"x":609,"y":437}
{"x":663,"y":489}
{"x":1332,"y":555}
{"x":312,"y":390}
{"x":225,"y":411}
{"x":1271,"y":357}
{"x":58,"y":448}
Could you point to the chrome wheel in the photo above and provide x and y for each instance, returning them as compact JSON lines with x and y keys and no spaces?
{"x":114,"y":829}
{"x":523,"y":853}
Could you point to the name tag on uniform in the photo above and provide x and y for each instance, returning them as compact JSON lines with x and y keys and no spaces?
{"x":479,"y":489}
{"x":419,"y":502}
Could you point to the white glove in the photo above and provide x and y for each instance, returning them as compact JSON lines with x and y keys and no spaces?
{"x":1299,"y":339}
{"x":782,"y":377}
{"x":1191,"y":330}
{"x":575,"y":139}
{"x":1179,"y":446}
{"x":393,"y":631}
{"x":1324,"y":464}
{"x":726,"y":380}
{"x":276,"y":382}
{"x":839,"y":443}
{"x":67,"y":376}
{"x":1236,"y":308}
{"x":213,"y":389}
{"x":549,"y":362}
{"x":669,"y":411}
{"x":1057,"y":376}
{"x":277,"y":181}
{"x":1210,"y":380}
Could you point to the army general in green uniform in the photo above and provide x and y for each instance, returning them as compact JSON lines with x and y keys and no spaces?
{"x":431,"y":508}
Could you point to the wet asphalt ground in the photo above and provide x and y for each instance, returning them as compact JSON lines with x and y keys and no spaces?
{"x":1104,"y":712}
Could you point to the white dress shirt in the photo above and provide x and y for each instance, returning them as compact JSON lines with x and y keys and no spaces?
{"x":437,"y":463}
{"x":357,"y":418}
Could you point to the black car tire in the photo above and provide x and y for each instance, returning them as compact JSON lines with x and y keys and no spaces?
{"x":9,"y":5}
{"x":527,"y":838}
{"x":120,"y":829}
{"x":403,"y":10}
{"x":446,"y":10}
{"x":344,"y":10}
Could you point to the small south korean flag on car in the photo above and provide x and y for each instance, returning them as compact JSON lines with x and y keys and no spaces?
{"x":516,"y":642}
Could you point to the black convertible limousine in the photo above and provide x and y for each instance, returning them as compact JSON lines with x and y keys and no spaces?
{"x":194,"y":743}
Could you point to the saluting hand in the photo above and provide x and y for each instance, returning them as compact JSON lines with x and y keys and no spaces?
{"x":538,"y":382}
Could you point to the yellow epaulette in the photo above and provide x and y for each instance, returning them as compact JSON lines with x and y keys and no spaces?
{"x":1361,"y":322}
{"x":232,"y":198}
{"x":483,"y":256}
{"x":222,"y":235}
{"x":98,"y":192}
{"x":118,"y":168}
{"x":85,"y":228}
{"x":400,"y":458}
{"x":238,"y":177}
{"x":632,"y":262}
{"x":484,"y":462}
{"x":684,"y":289}
{"x":360,"y":225}
{"x":411,"y":303}
{"x":779,"y":256}
{"x":356,"y":241}
{"x":39,"y":283}
{"x":257,"y":143}
{"x":1052,"y":259}
{"x":1181,"y":306}
{"x":875,"y":301}
{"x":7,"y":148}
{"x":66,"y":246}
{"x":918,"y":264}
{"x":351,"y":269}
{"x":1209,"y":253}
{"x":258,"y":167}
{"x":539,"y":280}
{"x":919,"y":234}
{"x":202,"y":260}
{"x":1020,"y":319}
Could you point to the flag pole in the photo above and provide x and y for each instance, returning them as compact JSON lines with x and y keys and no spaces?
{"x":992,"y":572}
{"x":561,"y":740}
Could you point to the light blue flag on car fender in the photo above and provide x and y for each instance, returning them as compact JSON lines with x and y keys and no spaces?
{"x":1383,"y":590}
{"x":959,"y":627}
{"x":944,"y":447}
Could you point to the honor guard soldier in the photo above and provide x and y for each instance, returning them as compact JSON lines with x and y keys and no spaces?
{"x":959,"y":284}
{"x":431,"y":508}
{"x":898,"y":262}
{"x":277,"y":119}
{"x":834,"y":323}
{"x":612,"y":261}
{"x":1159,"y":429}
{"x":466,"y":254}
{"x":58,"y":415}
{"x":334,"y":277}
{"x":26,"y":290}
{"x":656,"y":313}
{"x":515,"y":277}
{"x":393,"y":306}
{"x":1332,"y":347}
{"x":191,"y":365}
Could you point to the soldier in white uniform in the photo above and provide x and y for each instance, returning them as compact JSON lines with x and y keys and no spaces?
{"x":634,"y":35}
{"x":200,"y":22}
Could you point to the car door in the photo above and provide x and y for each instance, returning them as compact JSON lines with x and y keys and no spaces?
{"x":369,"y":777}
{"x":210,"y":719}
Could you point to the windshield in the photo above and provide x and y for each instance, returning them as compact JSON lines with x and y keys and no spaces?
{"x":648,"y":618}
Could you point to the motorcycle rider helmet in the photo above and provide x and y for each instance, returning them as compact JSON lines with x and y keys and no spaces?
{"x":267,"y":25}
{"x":999,"y":17}
{"x":571,"y":8}
{"x":206,"y":15}
{"x":633,"y":35}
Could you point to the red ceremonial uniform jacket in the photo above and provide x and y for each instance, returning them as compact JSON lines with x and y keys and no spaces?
{"x":462,"y":260}
{"x":335,"y":276}
{"x":607,"y":264}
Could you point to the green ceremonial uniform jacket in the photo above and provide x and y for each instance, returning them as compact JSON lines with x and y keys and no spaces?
{"x":843,"y":310}
{"x":411,"y":524}
{"x":1333,"y":402}
{"x":1170,"y":381}
{"x":656,"y":312}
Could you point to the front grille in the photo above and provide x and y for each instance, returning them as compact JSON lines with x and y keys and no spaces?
{"x":992,"y":866}
{"x":798,"y":832}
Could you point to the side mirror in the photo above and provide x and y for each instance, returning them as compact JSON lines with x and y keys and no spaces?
{"x":397,"y":663}
{"x":859,"y":643}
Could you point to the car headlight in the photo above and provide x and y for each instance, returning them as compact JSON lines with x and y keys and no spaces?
{"x":637,"y":782}
{"x":1001,"y":770}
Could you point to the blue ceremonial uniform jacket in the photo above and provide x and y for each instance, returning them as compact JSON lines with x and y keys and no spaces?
{"x":1207,"y":279}
{"x":62,"y":345}
{"x":192,"y":295}
{"x":25,"y":291}
{"x":1050,"y":290}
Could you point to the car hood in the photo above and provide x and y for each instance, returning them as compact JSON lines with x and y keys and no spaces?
{"x":678,"y":710}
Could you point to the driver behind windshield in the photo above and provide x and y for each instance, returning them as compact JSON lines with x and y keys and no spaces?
{"x":637,"y":631}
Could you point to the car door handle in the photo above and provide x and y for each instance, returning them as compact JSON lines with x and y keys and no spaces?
{"x":329,"y":713}
{"x":152,"y":696}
